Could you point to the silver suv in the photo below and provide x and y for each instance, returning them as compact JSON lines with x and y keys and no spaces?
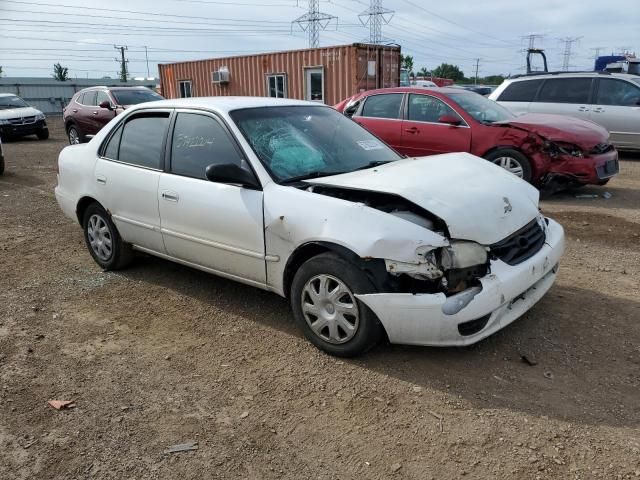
{"x":609,"y":99}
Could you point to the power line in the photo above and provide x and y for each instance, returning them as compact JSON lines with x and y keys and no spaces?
{"x":313,"y":21}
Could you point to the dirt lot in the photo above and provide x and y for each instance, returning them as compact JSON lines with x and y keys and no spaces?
{"x":160,"y":354}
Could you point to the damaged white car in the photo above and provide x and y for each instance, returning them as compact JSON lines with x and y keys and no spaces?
{"x":293,"y":197}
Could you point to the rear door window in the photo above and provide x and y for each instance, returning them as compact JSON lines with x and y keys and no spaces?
{"x":523,"y":91}
{"x":565,"y":90}
{"x":200,"y":141}
{"x":382,"y":106}
{"x":142,"y":139}
{"x":89,"y":99}
{"x":617,"y":92}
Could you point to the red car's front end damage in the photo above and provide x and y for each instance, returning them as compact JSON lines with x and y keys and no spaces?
{"x":564,"y":151}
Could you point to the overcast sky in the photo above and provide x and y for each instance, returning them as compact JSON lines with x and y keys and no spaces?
{"x":35,"y":34}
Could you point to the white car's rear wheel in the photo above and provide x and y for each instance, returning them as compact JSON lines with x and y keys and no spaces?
{"x":103,"y":240}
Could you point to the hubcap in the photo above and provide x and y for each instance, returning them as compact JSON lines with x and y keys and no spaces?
{"x":100,"y":237}
{"x":74,"y":138}
{"x":330,"y":309}
{"x":510,"y":164}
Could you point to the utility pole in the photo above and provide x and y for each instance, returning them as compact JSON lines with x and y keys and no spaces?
{"x":566,"y":56}
{"x":313,"y":21}
{"x":123,"y":63}
{"x":375,"y":16}
{"x":477,"y":66}
{"x":146,"y":57}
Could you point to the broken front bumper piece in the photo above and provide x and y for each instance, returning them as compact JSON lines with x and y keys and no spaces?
{"x":469,"y":316}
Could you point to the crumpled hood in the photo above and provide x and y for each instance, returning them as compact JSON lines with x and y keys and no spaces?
{"x":478,"y":200}
{"x":19,"y":112}
{"x":561,"y":128}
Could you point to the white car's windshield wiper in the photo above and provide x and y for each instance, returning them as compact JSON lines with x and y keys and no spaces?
{"x":306,"y":176}
{"x":373,"y":164}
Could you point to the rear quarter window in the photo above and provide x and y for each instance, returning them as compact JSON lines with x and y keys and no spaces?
{"x":522,"y":91}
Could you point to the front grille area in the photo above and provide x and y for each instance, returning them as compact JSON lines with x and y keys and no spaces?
{"x":609,"y":169}
{"x":601,"y":148}
{"x":22,"y":120}
{"x":520,"y":246}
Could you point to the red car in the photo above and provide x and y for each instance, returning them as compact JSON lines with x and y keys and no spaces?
{"x":92,"y":108}
{"x":549,"y":151}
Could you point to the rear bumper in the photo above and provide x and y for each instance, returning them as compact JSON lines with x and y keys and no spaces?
{"x":505,"y":295}
{"x":66,"y":203}
{"x":22,"y":130}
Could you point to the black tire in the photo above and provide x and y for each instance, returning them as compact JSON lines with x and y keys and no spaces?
{"x":43,"y":134}
{"x":368,"y":331}
{"x":516,"y":156}
{"x":121,"y":253}
{"x":78,"y":135}
{"x":1,"y":165}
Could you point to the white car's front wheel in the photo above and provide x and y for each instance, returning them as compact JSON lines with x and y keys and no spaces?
{"x":324,"y":305}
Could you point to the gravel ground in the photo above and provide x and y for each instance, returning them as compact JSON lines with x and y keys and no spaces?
{"x":160,"y":354}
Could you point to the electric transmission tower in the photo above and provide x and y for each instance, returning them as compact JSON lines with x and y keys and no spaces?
{"x":375,"y":16}
{"x":313,"y":21}
{"x":123,"y":63}
{"x":566,"y":55}
{"x":532,"y":39}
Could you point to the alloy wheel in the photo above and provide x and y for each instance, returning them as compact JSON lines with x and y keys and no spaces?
{"x":330,"y":309}
{"x":74,"y":137}
{"x":511,"y":165}
{"x":100,"y":237}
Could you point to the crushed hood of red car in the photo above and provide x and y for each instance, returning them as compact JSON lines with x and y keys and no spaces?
{"x":560,"y":128}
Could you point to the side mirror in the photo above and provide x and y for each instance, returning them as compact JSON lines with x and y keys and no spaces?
{"x":232,"y":173}
{"x":106,"y":104}
{"x":450,"y":119}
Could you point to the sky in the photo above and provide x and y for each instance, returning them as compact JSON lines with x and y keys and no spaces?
{"x":81,"y":34}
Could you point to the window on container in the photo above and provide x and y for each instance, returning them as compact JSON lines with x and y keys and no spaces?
{"x":142,"y":139}
{"x":382,"y":106}
{"x":277,"y":86}
{"x":523,"y":91}
{"x":565,"y":90}
{"x":184,"y":86}
{"x":200,"y":141}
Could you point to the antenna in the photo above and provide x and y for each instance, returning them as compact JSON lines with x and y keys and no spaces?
{"x":313,"y":21}
{"x":375,"y":16}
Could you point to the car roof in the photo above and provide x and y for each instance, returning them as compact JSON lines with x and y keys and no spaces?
{"x":227,"y":104}
{"x":103,"y":87}
{"x":414,"y":89}
{"x":543,"y":75}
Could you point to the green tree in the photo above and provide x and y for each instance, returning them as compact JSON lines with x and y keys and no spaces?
{"x":423,"y":72}
{"x":493,"y":79}
{"x":446,"y":70}
{"x":406,"y":61}
{"x":60,"y":73}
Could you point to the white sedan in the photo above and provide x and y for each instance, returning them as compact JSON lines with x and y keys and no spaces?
{"x":293,"y":197}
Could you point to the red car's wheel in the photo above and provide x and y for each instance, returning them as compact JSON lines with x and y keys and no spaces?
{"x":513,"y":161}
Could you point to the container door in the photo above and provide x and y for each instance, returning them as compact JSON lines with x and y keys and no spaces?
{"x":314,"y":84}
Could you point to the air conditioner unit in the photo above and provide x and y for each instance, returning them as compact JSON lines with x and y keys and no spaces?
{"x":220,"y":76}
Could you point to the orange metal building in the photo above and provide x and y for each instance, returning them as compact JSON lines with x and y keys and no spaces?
{"x":327,"y":74}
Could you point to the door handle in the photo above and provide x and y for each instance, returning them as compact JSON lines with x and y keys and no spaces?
{"x":170,"y":196}
{"x":583,"y":109}
{"x":75,"y":110}
{"x":598,"y":110}
{"x":411,"y":130}
{"x":101,"y":179}
{"x":95,"y":113}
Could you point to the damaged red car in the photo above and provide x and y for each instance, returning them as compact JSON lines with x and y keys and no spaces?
{"x":549,"y":151}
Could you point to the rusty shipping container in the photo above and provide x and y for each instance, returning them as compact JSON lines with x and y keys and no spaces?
{"x":327,"y":74}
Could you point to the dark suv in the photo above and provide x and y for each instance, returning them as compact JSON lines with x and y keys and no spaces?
{"x":92,"y":108}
